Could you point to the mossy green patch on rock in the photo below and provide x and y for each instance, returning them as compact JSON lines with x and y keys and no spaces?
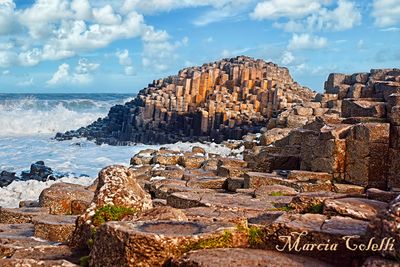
{"x":84,"y":261}
{"x":222,"y":241}
{"x":317,"y":208}
{"x":276,"y":194}
{"x":256,"y":236}
{"x":111,"y":213}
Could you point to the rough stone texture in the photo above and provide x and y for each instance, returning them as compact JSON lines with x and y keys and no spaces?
{"x":59,"y":197}
{"x":116,"y":187}
{"x":380,"y":262}
{"x":239,"y":257}
{"x":162,"y":214}
{"x":366,"y":155}
{"x":56,"y":228}
{"x":155,"y":243}
{"x":386,"y":225}
{"x":380,"y":195}
{"x":20,"y":215}
{"x":35,"y":263}
{"x":317,"y":229}
{"x":358,"y":208}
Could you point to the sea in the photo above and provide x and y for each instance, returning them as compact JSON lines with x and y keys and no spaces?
{"x":28,"y":124}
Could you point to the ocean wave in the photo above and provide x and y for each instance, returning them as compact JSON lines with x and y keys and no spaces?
{"x":32,"y":116}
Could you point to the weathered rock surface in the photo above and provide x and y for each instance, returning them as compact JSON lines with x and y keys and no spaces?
{"x":239,"y":257}
{"x":155,"y":243}
{"x":59,"y":198}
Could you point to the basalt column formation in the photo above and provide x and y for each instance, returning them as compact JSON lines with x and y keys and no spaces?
{"x":217,"y":101}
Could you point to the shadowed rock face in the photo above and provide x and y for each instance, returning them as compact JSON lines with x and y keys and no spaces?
{"x":217,"y":101}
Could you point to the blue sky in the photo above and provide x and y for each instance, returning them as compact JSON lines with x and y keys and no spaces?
{"x":77,"y":46}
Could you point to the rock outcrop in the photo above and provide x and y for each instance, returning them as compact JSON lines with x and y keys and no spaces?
{"x":214,"y":102}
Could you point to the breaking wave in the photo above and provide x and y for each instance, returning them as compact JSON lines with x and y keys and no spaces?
{"x":31,"y":115}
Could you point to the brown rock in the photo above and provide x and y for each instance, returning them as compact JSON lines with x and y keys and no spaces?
{"x":21,"y":215}
{"x":59,"y":196}
{"x":155,"y":243}
{"x":238,"y":257}
{"x":56,"y":228}
{"x":380,"y":195}
{"x":358,"y":208}
{"x":35,"y":263}
{"x":348,"y":189}
{"x":162,"y":214}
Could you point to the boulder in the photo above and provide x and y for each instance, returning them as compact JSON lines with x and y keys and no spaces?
{"x":60,"y":196}
{"x":56,"y":228}
{"x":7,"y":178}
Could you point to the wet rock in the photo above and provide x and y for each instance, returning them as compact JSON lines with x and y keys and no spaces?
{"x":117,"y":243}
{"x":7,"y":178}
{"x":237,"y":257}
{"x":39,"y":171}
{"x":60,"y":196}
{"x":358,"y":208}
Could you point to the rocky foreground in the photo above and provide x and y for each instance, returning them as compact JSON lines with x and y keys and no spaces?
{"x":319,"y":187}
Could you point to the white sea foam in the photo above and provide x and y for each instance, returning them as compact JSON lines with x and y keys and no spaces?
{"x":29,"y":116}
{"x":27,"y":125}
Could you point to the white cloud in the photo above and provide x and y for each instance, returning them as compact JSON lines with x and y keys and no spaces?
{"x":125,"y":60}
{"x":306,"y":42}
{"x":361,"y":45}
{"x":158,"y":53}
{"x":85,"y":67}
{"x":82,"y":9}
{"x":106,"y":16}
{"x":274,"y":9}
{"x":391,"y":29}
{"x":209,"y":39}
{"x":287,"y":57}
{"x":386,"y":12}
{"x":26,"y":83}
{"x":6,"y":72}
{"x":344,"y":16}
{"x":61,"y":75}
{"x":305,"y":16}
{"x":7,"y":17}
{"x":81,"y":75}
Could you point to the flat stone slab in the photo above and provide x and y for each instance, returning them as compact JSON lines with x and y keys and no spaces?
{"x":275,"y":190}
{"x":307,"y":176}
{"x":207,"y":182}
{"x":215,"y":214}
{"x":14,"y":237}
{"x":380,"y":195}
{"x":239,"y":257}
{"x":221,"y":200}
{"x":36,"y":263}
{"x":155,"y":243}
{"x":358,"y":208}
{"x":304,"y":202}
{"x":47,"y":252}
{"x":21,"y":215}
{"x":348,"y":189}
{"x":311,"y":229}
{"x":56,"y":228}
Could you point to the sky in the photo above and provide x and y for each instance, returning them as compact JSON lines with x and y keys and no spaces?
{"x":98,"y":46}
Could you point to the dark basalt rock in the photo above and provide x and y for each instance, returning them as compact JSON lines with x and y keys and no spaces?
{"x":215,"y":102}
{"x":7,"y":178}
